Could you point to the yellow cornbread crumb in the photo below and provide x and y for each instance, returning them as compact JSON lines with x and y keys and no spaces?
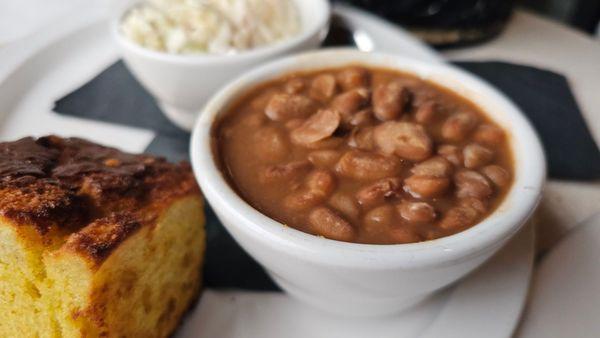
{"x":141,"y":290}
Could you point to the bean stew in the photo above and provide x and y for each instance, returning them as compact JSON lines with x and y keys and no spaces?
{"x":364,"y":155}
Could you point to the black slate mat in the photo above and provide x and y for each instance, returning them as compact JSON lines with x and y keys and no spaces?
{"x":115,"y":96}
{"x":546,"y":98}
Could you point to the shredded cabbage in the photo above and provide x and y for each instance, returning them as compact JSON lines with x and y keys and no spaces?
{"x":210,"y":26}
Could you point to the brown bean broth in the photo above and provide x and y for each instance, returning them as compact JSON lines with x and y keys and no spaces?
{"x":241,"y":163}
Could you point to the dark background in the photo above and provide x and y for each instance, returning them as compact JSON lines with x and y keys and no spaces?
{"x":480,"y":17}
{"x":582,"y":14}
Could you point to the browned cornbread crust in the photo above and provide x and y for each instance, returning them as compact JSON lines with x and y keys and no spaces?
{"x":95,"y":242}
{"x":99,"y":194}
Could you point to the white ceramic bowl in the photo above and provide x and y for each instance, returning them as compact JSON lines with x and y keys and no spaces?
{"x":360,"y":279}
{"x":183,"y":83}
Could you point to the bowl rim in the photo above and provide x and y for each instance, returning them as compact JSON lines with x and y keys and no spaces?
{"x":492,"y":232}
{"x":323,"y":12}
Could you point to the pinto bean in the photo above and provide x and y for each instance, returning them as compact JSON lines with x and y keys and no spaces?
{"x":284,"y":172}
{"x":295,"y":86}
{"x":407,"y":140}
{"x":323,"y":87}
{"x":474,"y":203}
{"x":282,"y":107}
{"x":377,"y":192}
{"x":436,"y":167}
{"x":353,"y":77}
{"x":411,"y":83}
{"x":316,"y":128}
{"x":498,"y":175}
{"x":458,"y":217}
{"x":420,"y":186}
{"x":416,"y":212}
{"x":270,"y":144}
{"x":400,"y":234}
{"x":261,"y":101}
{"x":451,"y":153}
{"x":320,"y":181}
{"x":431,"y":234}
{"x":489,"y":135}
{"x":389,"y":101}
{"x":303,"y":200}
{"x":324,"y":158}
{"x":293,"y":124}
{"x":465,"y":214}
{"x":458,"y":126}
{"x":329,"y":224}
{"x":379,"y":220}
{"x":351,"y":102}
{"x":472,"y":184}
{"x":426,"y":113}
{"x":362,"y":118}
{"x":367,"y":166}
{"x":477,"y":156}
{"x":345,"y":204}
{"x":421,"y":95}
{"x":362,"y":138}
{"x":327,"y":143}
{"x":318,"y":185}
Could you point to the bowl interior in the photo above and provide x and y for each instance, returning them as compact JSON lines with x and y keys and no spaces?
{"x":517,"y":206}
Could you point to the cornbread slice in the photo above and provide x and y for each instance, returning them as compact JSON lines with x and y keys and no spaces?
{"x":95,"y":242}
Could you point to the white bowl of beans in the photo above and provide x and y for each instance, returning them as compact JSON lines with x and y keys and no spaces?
{"x":183,"y":81}
{"x":365,"y":182}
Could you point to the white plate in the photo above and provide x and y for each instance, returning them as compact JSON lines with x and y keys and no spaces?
{"x":37,"y":71}
{"x":565,"y":300}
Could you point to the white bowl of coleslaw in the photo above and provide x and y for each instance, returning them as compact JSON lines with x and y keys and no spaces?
{"x":183,"y":57}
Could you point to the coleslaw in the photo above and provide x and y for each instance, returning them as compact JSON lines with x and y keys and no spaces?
{"x":210,"y":26}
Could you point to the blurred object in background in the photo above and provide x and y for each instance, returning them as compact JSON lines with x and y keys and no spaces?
{"x":582,"y":14}
{"x":449,"y":23}
{"x":444,"y":23}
